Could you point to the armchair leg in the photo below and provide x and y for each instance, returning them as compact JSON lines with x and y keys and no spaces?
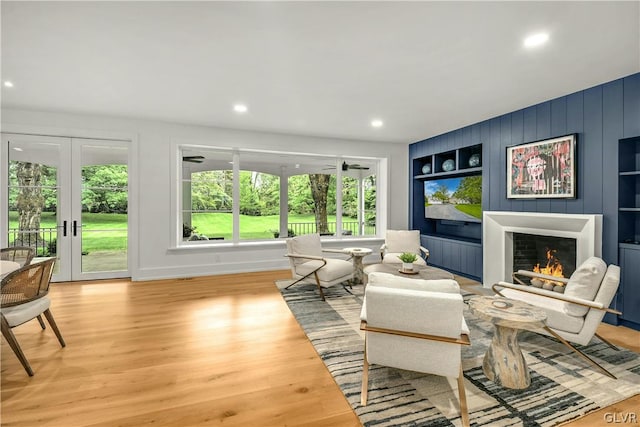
{"x":54,"y":326}
{"x":365,"y":376}
{"x":315,"y":273}
{"x":581,"y":354}
{"x":610,"y":344}
{"x":464,"y":411}
{"x":13,"y":343}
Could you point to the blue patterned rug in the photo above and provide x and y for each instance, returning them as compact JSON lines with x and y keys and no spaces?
{"x":563,"y":387}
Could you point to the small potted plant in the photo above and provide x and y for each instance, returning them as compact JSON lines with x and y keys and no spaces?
{"x":407,"y":259}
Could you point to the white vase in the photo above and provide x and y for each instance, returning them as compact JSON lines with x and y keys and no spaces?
{"x":407,"y":266}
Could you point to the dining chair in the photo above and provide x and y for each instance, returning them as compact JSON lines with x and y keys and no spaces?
{"x":24,"y":297}
{"x":20,"y":254}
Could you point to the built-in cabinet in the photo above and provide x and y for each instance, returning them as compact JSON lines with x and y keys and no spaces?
{"x":629,"y":228}
{"x":454,"y":244}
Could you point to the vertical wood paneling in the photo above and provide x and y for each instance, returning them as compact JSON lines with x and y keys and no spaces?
{"x":543,"y":131}
{"x":590,"y":171}
{"x":505,"y":140}
{"x":600,"y":116}
{"x":575,"y":124}
{"x":517,"y":138}
{"x":494,"y":173}
{"x":612,"y":131}
{"x":632,"y":106}
{"x":558,"y":128}
{"x":488,"y":164}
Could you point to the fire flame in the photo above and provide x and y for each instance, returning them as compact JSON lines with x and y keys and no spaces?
{"x":553,"y":267}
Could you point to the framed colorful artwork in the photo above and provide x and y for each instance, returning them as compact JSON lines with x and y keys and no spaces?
{"x":542,"y":169}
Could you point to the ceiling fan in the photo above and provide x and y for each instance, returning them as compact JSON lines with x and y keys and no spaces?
{"x":193,"y":159}
{"x":346,"y":166}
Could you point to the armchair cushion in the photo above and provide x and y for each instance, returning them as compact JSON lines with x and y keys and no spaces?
{"x":307,"y":244}
{"x":555,"y":309}
{"x":335,"y":269}
{"x":397,"y":282}
{"x":399,"y":241}
{"x":584,"y":283}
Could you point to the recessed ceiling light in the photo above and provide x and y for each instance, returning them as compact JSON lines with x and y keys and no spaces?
{"x":18,"y":149}
{"x":240,"y":108}
{"x":7,"y":83}
{"x":536,"y":40}
{"x":376,"y":123}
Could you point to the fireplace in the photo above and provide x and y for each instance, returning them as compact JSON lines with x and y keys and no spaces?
{"x":501,"y":229}
{"x":550,"y":255}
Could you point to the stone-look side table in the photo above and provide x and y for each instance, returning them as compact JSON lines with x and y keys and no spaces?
{"x":504,"y":363}
{"x":358,"y":269}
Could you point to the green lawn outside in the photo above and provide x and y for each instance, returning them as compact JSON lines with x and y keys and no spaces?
{"x":251,"y":227}
{"x":109,"y":231}
{"x":95,"y":225}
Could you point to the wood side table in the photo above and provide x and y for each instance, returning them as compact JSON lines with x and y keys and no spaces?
{"x":504,"y":362}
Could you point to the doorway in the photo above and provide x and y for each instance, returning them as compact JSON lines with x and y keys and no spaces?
{"x":68,"y":198}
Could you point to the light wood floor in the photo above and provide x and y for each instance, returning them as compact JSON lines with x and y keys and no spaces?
{"x":221,"y":350}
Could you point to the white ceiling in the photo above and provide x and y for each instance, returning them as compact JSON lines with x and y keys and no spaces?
{"x":311,"y":68}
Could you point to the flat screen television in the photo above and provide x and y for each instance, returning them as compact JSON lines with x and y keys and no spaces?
{"x":454,"y":199}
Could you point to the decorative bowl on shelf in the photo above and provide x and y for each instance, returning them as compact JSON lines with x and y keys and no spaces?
{"x":474,"y":160}
{"x":448,"y":165}
{"x":426,"y":168}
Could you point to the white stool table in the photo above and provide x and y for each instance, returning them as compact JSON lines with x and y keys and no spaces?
{"x":358,"y":269}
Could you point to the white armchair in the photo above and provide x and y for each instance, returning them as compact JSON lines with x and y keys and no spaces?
{"x":572,"y":316}
{"x":414,"y":325}
{"x":308,"y":265}
{"x":398,"y":241}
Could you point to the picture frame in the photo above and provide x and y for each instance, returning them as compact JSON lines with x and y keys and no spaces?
{"x":543,"y":169}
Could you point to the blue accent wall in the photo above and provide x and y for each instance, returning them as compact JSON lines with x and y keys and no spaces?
{"x":600,"y":116}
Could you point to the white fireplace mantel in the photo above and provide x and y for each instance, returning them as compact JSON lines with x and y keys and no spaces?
{"x":497,"y":237}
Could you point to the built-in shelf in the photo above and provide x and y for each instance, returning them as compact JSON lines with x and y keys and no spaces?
{"x":629,"y":228}
{"x":453,"y":162}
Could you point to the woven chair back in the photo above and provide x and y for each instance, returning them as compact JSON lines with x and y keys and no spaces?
{"x":20,"y":254}
{"x":26,"y":284}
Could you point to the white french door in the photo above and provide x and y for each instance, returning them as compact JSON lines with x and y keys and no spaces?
{"x":68,"y":198}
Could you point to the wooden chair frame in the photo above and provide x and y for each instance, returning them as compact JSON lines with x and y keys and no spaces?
{"x":561,"y":297}
{"x":17,"y":295}
{"x":462,"y":340}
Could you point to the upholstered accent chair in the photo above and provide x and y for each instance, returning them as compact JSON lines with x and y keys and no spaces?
{"x":415,"y":325}
{"x":398,"y":241}
{"x":20,"y":254}
{"x":572,"y":316}
{"x":24,"y":298}
{"x":308,"y":265}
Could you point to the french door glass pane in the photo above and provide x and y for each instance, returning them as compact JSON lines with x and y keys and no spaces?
{"x":33,"y":196}
{"x":104,"y":199}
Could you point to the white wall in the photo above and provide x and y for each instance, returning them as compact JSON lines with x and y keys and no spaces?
{"x":153,"y":257}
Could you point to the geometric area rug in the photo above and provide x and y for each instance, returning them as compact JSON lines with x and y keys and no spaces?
{"x":563,"y":387}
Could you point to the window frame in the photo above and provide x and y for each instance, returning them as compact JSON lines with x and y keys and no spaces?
{"x":379,"y":165}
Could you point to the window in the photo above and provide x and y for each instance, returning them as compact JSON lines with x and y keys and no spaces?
{"x":246,"y":195}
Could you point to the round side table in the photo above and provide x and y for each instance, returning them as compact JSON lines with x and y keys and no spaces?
{"x":358,"y":270}
{"x":503,"y":362}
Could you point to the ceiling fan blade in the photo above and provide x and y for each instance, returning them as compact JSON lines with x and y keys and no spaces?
{"x":193,"y":159}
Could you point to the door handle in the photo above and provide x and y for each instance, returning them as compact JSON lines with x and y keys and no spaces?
{"x":64,"y":228}
{"x":75,"y":228}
